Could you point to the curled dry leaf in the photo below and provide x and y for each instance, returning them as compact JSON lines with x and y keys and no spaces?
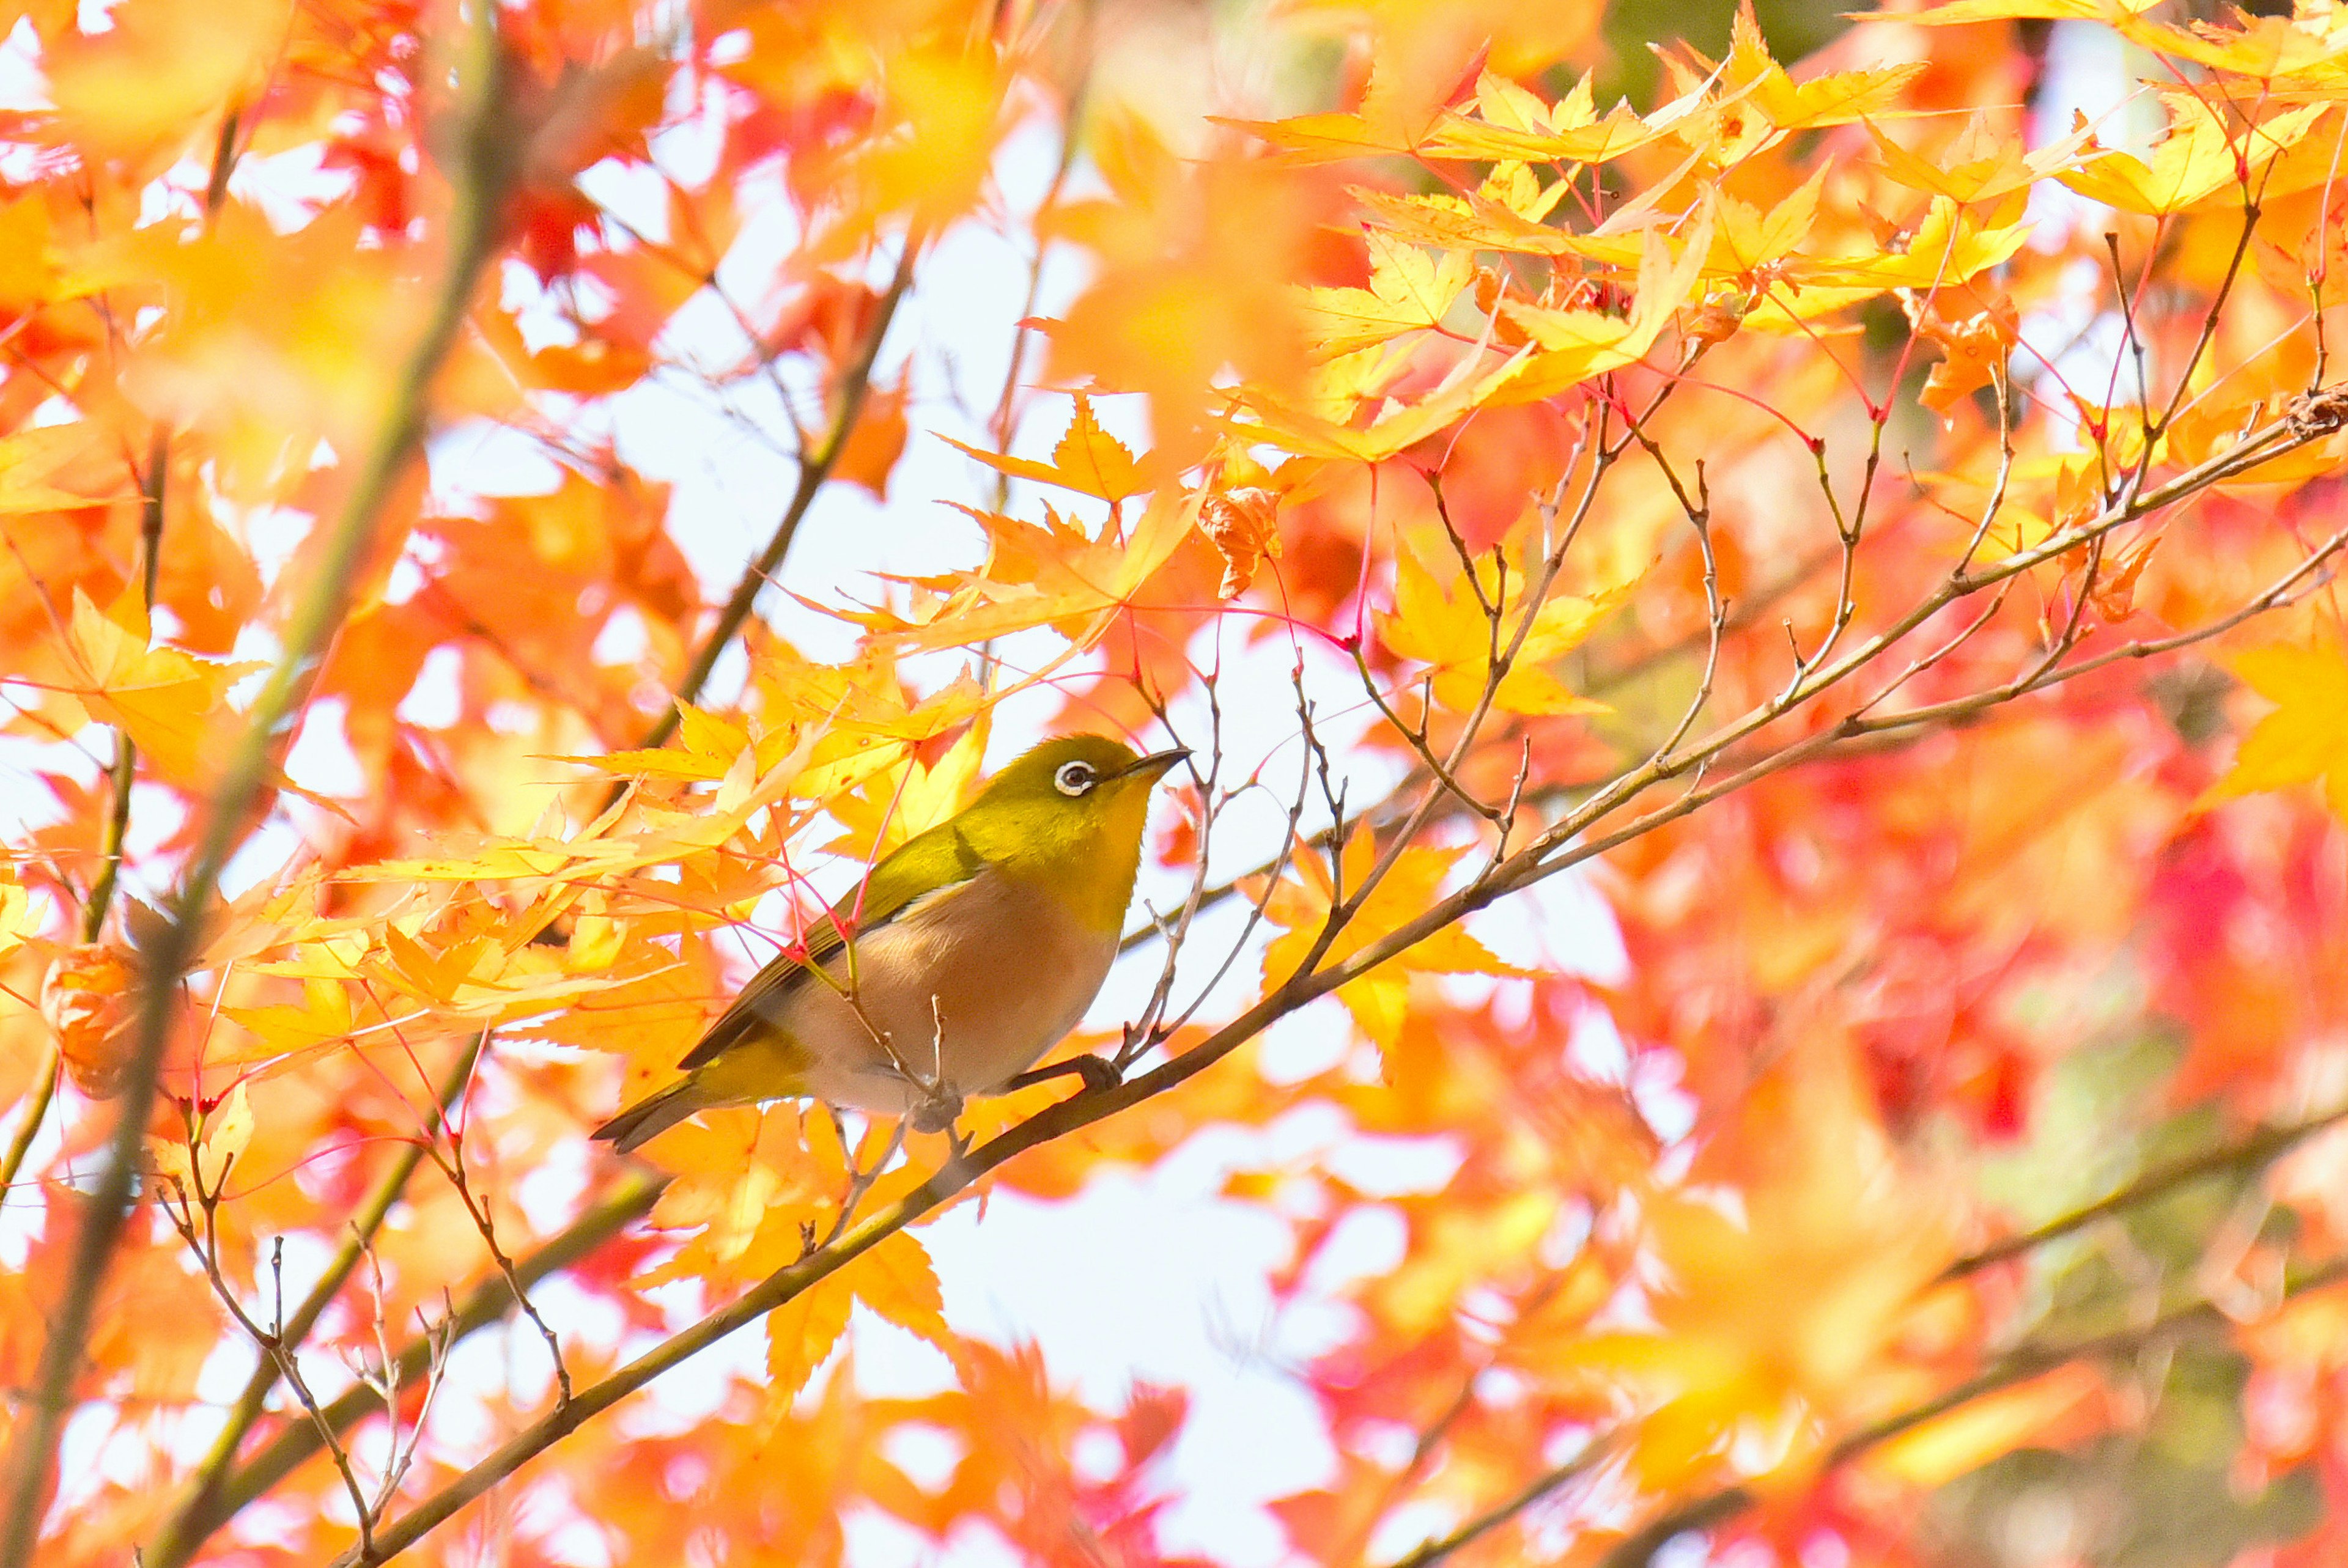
{"x":1974,"y":331}
{"x":87,"y":999}
{"x":1239,"y":524}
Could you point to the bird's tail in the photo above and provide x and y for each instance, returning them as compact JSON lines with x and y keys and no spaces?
{"x":653,"y":1115}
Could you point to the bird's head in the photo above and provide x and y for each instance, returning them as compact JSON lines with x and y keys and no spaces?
{"x":1071,"y":809}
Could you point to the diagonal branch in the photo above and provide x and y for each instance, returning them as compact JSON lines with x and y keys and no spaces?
{"x":1555,"y":850}
{"x":2261,"y":1149}
{"x":119,"y":778}
{"x":1717,"y":1507}
{"x":486,"y":167}
{"x":855,"y":385}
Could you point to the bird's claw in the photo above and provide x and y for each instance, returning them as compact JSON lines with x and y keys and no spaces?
{"x":939,"y":1113}
{"x":1098,"y":1071}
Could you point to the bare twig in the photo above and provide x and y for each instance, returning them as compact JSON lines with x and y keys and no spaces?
{"x":815,"y":469}
{"x":295,"y":1445}
{"x":200,"y":1494}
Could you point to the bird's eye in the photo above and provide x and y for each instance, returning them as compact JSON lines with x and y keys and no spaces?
{"x":1075,"y":778}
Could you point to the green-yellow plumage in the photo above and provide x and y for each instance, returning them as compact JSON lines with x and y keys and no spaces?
{"x":978,"y":946}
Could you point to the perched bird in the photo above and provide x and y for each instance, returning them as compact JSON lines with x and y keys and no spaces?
{"x":977,"y":946}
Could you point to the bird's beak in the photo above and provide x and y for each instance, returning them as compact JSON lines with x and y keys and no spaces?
{"x":1154,"y":765}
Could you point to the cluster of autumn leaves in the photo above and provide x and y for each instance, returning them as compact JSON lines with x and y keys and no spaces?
{"x":1841,"y":534}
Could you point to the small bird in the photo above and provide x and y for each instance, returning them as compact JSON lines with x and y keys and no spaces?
{"x":977,"y":946}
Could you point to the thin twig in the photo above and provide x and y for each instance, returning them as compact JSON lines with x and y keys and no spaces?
{"x":2260,"y":1150}
{"x":297,"y":1444}
{"x":200,"y":1494}
{"x":856,"y":382}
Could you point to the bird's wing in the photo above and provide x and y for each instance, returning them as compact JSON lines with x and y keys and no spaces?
{"x":929,"y":862}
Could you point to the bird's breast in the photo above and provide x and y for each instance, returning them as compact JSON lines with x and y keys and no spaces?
{"x":965,"y":988}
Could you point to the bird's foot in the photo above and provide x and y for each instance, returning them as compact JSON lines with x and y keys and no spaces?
{"x":1098,"y":1071}
{"x":939,"y":1113}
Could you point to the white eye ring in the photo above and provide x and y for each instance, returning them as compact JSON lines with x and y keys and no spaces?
{"x":1074,"y":779}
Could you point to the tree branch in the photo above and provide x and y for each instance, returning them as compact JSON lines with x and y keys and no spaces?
{"x":2261,"y":1149}
{"x":815,"y":469}
{"x":121,"y":777}
{"x":1441,"y":1548}
{"x":1539,"y":859}
{"x":486,"y":169}
{"x":197,"y":1498}
{"x":2021,"y":1366}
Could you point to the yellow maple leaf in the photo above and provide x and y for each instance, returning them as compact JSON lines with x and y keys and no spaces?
{"x":1410,"y":290}
{"x":894,"y":1280}
{"x":897,"y":1281}
{"x":2306,"y":739}
{"x":1049,"y":574}
{"x":1437,"y":621}
{"x":801,"y":1333}
{"x":1978,"y":164}
{"x":1785,"y":1311}
{"x":18,"y":918}
{"x":2201,"y":157}
{"x":1336,"y":137}
{"x":1837,"y":99}
{"x":1089,"y":460}
{"x":161,"y":698}
{"x":1378,"y":999}
{"x":1957,"y":12}
{"x":1576,"y":344}
{"x":2264,"y":48}
{"x":897,"y":801}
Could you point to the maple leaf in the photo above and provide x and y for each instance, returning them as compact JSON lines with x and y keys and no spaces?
{"x":894,"y":1279}
{"x":18,"y":918}
{"x":164,"y":700}
{"x":87,"y":1001}
{"x":891,"y":806}
{"x":2266,"y":48}
{"x":1837,"y":99}
{"x":2306,"y":739}
{"x":1049,"y":574}
{"x":800,"y":1334}
{"x":1409,"y":291}
{"x":1973,"y":348}
{"x":1438,"y":621}
{"x":1576,"y":344}
{"x":1089,"y":460}
{"x":2202,"y":156}
{"x":1957,"y":13}
{"x":1830,"y":1235}
{"x":1978,"y":164}
{"x":1240,"y":524}
{"x":1336,"y":137}
{"x":1380,"y":999}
